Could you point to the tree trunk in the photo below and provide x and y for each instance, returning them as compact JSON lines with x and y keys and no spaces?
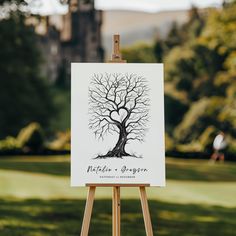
{"x":119,"y":149}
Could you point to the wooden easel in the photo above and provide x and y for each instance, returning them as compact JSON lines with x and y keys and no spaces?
{"x":116,"y":58}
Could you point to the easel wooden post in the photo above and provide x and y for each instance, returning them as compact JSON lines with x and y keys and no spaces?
{"x":116,"y":58}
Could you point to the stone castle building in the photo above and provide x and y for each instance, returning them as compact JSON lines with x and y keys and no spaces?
{"x":74,"y":37}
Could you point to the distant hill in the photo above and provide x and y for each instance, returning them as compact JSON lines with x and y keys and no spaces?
{"x":138,"y":26}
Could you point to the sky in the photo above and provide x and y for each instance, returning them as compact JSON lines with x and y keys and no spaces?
{"x":153,"y":5}
{"x":49,"y":7}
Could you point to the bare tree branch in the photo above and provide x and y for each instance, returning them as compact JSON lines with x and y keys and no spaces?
{"x":119,"y":103}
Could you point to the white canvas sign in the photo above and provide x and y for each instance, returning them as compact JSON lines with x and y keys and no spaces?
{"x":117,"y":124}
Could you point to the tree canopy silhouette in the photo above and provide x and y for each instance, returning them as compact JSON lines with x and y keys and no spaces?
{"x":25,"y":96}
{"x":119,"y":103}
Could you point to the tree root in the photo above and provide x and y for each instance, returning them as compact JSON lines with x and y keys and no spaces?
{"x":115,"y":154}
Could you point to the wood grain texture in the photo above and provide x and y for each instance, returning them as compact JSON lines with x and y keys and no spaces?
{"x":116,"y":211}
{"x":146,"y":213}
{"x":116,"y":56}
{"x":88,"y":211}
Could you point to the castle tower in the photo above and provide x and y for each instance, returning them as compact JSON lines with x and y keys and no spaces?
{"x":81,"y":33}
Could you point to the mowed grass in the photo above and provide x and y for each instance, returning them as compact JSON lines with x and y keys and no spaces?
{"x":54,"y":165}
{"x":199,"y":200}
{"x":200,"y":170}
{"x":176,"y":169}
{"x":64,"y":217}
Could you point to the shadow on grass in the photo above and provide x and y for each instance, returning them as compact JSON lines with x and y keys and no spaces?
{"x":202,"y":171}
{"x":52,"y":168}
{"x":194,"y":170}
{"x":63,"y":218}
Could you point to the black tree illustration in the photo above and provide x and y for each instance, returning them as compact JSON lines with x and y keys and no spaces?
{"x":118,"y":103}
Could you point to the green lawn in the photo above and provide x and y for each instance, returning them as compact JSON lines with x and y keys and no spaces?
{"x":46,"y":165}
{"x":35,"y":199}
{"x":176,"y":169}
{"x":63,"y":217}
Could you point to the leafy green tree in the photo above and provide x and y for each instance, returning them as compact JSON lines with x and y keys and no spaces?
{"x":174,"y":37}
{"x":200,"y":76}
{"x":194,"y":26}
{"x":139,"y":53}
{"x":159,"y":50}
{"x":201,"y":114}
{"x":174,"y":111}
{"x":220,"y":29}
{"x":62,"y":80}
{"x":24,"y":95}
{"x":193,"y":70}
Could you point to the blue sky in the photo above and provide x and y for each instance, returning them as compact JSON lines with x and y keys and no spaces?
{"x":153,"y":5}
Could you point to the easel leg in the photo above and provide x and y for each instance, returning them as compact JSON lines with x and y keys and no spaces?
{"x":146,"y":213}
{"x":116,"y":211}
{"x":88,"y":211}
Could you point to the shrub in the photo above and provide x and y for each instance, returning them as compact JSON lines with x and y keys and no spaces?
{"x":62,"y":142}
{"x":169,"y":143}
{"x":190,"y":147}
{"x":31,"y":137}
{"x":231,"y":145}
{"x":186,"y":130}
{"x":202,"y":114}
{"x":174,"y":111}
{"x":139,"y":53}
{"x":9,"y":144}
{"x":207,"y":137}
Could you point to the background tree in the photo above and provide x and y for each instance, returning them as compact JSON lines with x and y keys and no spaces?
{"x":159,"y":50}
{"x":118,"y":104}
{"x":174,"y":37}
{"x":62,"y":80}
{"x":194,"y":26}
{"x":139,"y":53}
{"x":24,"y":94}
{"x":200,"y":77}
